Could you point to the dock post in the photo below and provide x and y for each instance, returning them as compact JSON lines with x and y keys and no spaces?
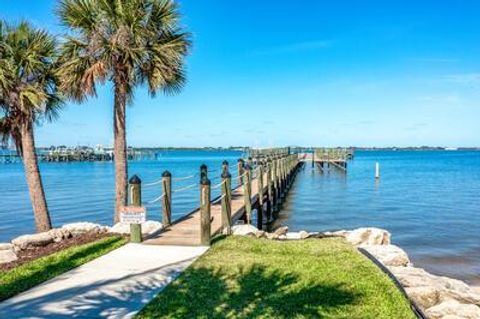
{"x":205,"y":210}
{"x":260,"y":196}
{"x":240,"y":170}
{"x":167,"y":198}
{"x":289,"y":170}
{"x":276,"y":175}
{"x":226,"y":200}
{"x":269,"y":190}
{"x":377,"y":170}
{"x":203,"y":171}
{"x":247,"y":193}
{"x":135,"y":188}
{"x":282,"y":177}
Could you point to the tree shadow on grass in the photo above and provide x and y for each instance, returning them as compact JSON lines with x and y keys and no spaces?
{"x":251,"y":293}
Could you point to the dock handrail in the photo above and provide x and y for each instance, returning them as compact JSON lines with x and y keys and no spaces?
{"x":271,"y":172}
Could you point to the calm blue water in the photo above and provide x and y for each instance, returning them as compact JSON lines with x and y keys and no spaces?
{"x":84,"y":191}
{"x":429,"y":201}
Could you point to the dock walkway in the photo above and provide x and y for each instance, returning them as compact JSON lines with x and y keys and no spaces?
{"x":266,"y":179}
{"x":186,"y":231}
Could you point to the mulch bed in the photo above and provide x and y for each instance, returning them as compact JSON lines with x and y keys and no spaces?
{"x":37,"y":252}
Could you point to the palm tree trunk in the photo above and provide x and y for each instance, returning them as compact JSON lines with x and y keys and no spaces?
{"x":120,"y":146}
{"x":34,"y":180}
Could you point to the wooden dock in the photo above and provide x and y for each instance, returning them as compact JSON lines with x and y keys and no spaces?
{"x":336,"y":157}
{"x":186,"y":231}
{"x":260,"y":191}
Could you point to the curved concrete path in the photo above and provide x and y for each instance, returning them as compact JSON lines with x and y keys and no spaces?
{"x":116,"y":285}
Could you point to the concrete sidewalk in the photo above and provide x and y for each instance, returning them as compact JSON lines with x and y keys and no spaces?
{"x":116,"y":285}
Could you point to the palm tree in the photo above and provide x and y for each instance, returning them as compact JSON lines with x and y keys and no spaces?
{"x":127,"y":42}
{"x":28,"y":95}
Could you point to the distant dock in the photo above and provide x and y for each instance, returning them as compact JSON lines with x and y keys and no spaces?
{"x":337,"y":157}
{"x":77,"y":154}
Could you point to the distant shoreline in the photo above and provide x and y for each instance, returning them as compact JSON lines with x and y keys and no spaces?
{"x":244,"y":149}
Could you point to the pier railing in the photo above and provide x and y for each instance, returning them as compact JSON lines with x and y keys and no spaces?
{"x":263,"y":185}
{"x":333,"y":154}
{"x":258,"y":153}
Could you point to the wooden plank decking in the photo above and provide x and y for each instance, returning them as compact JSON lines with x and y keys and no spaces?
{"x":186,"y":231}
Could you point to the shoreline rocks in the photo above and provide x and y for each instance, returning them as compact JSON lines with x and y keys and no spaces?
{"x":148,"y":227}
{"x":9,"y":251}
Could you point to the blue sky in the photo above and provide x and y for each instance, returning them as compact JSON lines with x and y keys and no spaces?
{"x":266,"y":73}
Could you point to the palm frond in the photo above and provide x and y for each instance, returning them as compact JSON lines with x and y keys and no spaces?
{"x":141,"y":39}
{"x":28,"y":83}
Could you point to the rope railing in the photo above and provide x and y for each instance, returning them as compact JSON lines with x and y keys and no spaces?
{"x":184,"y":178}
{"x":241,"y":176}
{"x":218,"y":200}
{"x":156,"y":199}
{"x":184,"y":188}
{"x":279,"y":175}
{"x":219,"y":184}
{"x":152,"y":183}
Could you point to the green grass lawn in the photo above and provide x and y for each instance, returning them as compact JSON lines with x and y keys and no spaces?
{"x":37,"y":271}
{"x":243,"y":277}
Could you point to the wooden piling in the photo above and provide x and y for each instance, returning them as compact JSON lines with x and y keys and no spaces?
{"x":269,"y":190}
{"x":260,"y":196}
{"x":167,"y":198}
{"x":135,"y":190}
{"x":205,"y":226}
{"x":240,"y":170}
{"x":247,"y":193}
{"x":203,"y":171}
{"x":226,"y":199}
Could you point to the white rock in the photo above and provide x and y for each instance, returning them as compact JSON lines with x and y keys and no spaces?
{"x":342,"y":233}
{"x":6,"y":246}
{"x":412,"y":276}
{"x":424,"y":296}
{"x":60,"y":234}
{"x":148,"y":227}
{"x":316,"y":234}
{"x":389,"y":255}
{"x":447,"y":288}
{"x":292,"y":235}
{"x":304,"y":234}
{"x":244,"y":230}
{"x":84,"y":227}
{"x":7,"y":256}
{"x":260,"y":234}
{"x":271,"y":236}
{"x":282,"y":230}
{"x":34,"y":240}
{"x":453,"y":308}
{"x":367,"y":236}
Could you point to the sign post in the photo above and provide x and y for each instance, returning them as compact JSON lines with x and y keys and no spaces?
{"x":135,"y":214}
